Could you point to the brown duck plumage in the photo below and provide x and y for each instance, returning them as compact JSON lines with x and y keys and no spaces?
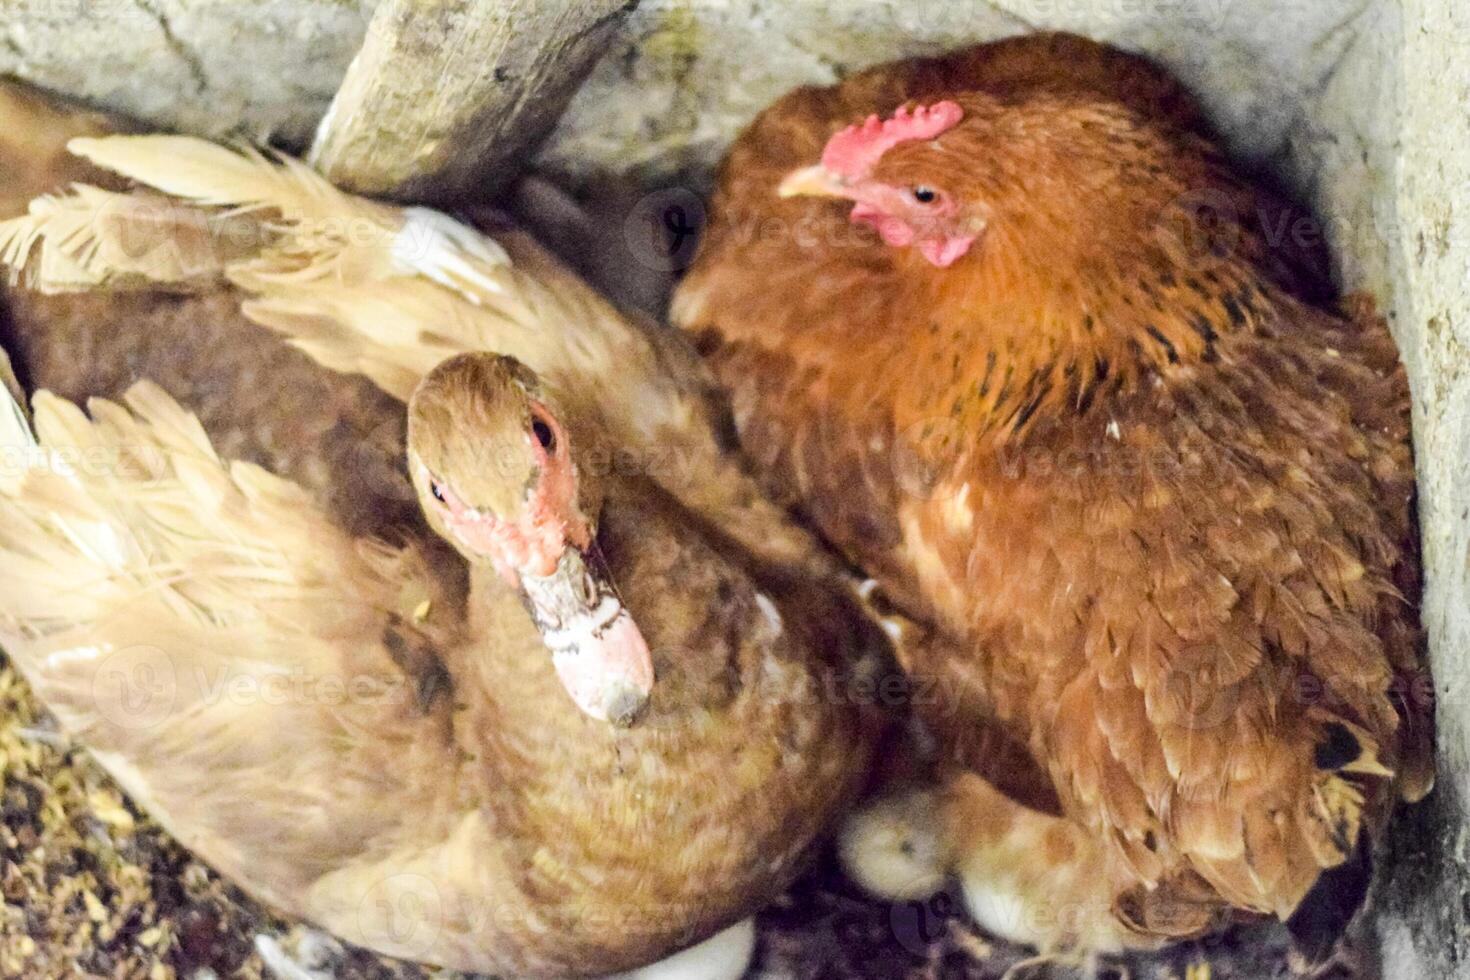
{"x":531,"y":839}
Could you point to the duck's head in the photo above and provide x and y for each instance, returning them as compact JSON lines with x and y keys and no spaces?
{"x":495,"y":471}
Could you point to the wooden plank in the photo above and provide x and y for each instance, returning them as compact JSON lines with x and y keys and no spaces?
{"x":448,"y":98}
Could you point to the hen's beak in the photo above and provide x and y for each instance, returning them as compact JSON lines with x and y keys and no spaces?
{"x":815,"y":181}
{"x":597,"y":649}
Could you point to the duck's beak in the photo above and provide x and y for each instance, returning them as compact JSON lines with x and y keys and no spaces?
{"x":599,"y":652}
{"x":815,"y":181}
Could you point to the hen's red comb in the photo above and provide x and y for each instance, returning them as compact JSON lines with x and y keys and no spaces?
{"x":855,"y":151}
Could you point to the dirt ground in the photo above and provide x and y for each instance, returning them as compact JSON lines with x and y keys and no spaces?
{"x":92,"y":888}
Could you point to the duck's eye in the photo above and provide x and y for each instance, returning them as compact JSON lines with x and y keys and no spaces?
{"x":543,"y":434}
{"x":438,"y":492}
{"x":925,"y":195}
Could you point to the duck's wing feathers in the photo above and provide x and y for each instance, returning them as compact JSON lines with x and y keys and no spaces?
{"x":15,"y":423}
{"x":210,"y":635}
{"x":361,"y":285}
{"x":390,"y":292}
{"x":90,"y":237}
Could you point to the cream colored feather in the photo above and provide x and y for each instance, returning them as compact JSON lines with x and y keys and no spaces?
{"x":365,"y":286}
{"x":625,"y":374}
{"x":15,"y":428}
{"x":215,"y":176}
{"x":326,"y":233}
{"x":26,"y":462}
{"x":132,"y":505}
{"x":90,"y":237}
{"x":211,"y":637}
{"x":390,"y":292}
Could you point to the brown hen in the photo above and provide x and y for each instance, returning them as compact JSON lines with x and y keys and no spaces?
{"x":1033,"y":355}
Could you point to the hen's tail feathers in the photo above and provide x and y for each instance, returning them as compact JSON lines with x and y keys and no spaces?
{"x":242,"y":178}
{"x":1319,"y":922}
{"x":1337,"y":823}
{"x":359,"y":284}
{"x":72,"y":548}
{"x":31,"y":543}
{"x":168,"y":606}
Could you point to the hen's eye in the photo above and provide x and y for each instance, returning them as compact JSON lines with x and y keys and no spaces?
{"x":543,"y":434}
{"x":925,"y":195}
{"x":437,"y":491}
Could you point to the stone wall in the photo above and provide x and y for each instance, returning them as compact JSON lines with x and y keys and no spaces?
{"x":258,"y":68}
{"x":1422,"y":219}
{"x":1358,"y":105}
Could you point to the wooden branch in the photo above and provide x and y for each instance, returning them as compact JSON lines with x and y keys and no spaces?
{"x":448,"y":98}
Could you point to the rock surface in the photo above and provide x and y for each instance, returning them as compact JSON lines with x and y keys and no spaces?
{"x":255,"y":68}
{"x":1422,"y":225}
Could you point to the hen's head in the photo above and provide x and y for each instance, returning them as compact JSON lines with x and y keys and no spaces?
{"x":906,"y":199}
{"x":1052,"y":175}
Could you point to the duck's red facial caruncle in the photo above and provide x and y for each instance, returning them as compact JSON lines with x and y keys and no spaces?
{"x":495,"y":472}
{"x":531,"y":540}
{"x":918,"y":212}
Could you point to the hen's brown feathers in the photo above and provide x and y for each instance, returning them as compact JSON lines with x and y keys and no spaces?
{"x":1116,"y":449}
